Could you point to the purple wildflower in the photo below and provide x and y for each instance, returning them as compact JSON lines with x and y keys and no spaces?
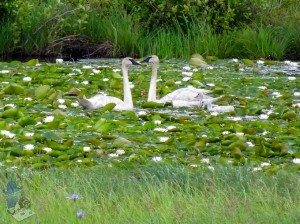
{"x":74,"y":197}
{"x":80,"y":214}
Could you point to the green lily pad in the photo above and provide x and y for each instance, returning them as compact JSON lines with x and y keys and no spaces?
{"x":42,"y":91}
{"x":14,"y":89}
{"x":121,"y":142}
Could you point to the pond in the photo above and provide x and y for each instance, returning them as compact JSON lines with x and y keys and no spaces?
{"x":42,"y":125}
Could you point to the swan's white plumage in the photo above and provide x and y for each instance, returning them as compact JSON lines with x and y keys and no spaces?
{"x":100,"y":100}
{"x":219,"y":109}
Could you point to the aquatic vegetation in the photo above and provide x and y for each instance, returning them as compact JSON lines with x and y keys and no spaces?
{"x":43,"y":126}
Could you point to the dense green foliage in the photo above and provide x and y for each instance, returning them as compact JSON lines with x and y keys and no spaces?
{"x":118,"y":28}
{"x":156,"y":194}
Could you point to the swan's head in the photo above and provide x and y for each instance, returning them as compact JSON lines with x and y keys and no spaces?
{"x":151,"y":59}
{"x":129,"y":61}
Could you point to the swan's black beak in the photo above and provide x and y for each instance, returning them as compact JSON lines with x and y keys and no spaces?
{"x":146,"y":60}
{"x":134,"y":62}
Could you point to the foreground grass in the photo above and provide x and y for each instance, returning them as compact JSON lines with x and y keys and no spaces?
{"x":157,"y":194}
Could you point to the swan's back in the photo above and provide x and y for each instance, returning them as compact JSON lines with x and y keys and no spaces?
{"x":184,"y":94}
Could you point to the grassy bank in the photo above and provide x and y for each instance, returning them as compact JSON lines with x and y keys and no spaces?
{"x":156,"y":193}
{"x":63,"y":30}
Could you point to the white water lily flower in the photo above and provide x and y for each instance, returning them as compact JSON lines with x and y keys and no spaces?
{"x":214,"y":113}
{"x":210,"y":67}
{"x":193,"y":165}
{"x":250,"y":144}
{"x":239,"y":134}
{"x":296,"y":160}
{"x":263,"y":164}
{"x":61,"y":101}
{"x":260,"y":62}
{"x":59,"y":60}
{"x":211,"y":168}
{"x":210,"y":84}
{"x":195,"y":70}
{"x":186,"y":79}
{"x":262,"y":87}
{"x":265,"y":132}
{"x":256,"y":169}
{"x":156,"y":159}
{"x":29,"y":134}
{"x":96,"y":71}
{"x":120,"y":151}
{"x":263,"y":116}
{"x":235,"y":60}
{"x":163,"y":139}
{"x":75,"y":104}
{"x":161,"y":129}
{"x":157,"y":122}
{"x":186,"y":68}
{"x":113,"y":155}
{"x":170,"y":127}
{"x":116,"y":70}
{"x":47,"y":149}
{"x":296,"y":93}
{"x":141,"y":113}
{"x":4,"y":71}
{"x":178,"y":82}
{"x":27,"y":79}
{"x":28,"y":98}
{"x":189,"y":74}
{"x":10,"y":105}
{"x":131,"y":85}
{"x":296,"y":105}
{"x":276,"y":94}
{"x":225,"y":132}
{"x":87,"y":67}
{"x":48,"y":119}
{"x":7,"y":134}
{"x":79,"y":161}
{"x":105,"y":79}
{"x":290,"y":63}
{"x":77,"y":70}
{"x":62,"y":106}
{"x":205,"y":160}
{"x":85,"y":82}
{"x":86,"y":148}
{"x":241,"y":69}
{"x":291,"y":78}
{"x":29,"y":147}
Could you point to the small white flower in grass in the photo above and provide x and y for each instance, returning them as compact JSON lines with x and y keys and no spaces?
{"x":186,"y":68}
{"x":116,"y":70}
{"x":205,"y":160}
{"x":105,"y":79}
{"x":263,"y":164}
{"x":75,"y":104}
{"x":61,"y":101}
{"x":291,"y":78}
{"x":163,"y":139}
{"x":85,"y":82}
{"x":28,"y":99}
{"x":256,"y":169}
{"x":7,"y":134}
{"x":240,"y":134}
{"x":29,"y":134}
{"x":27,"y":79}
{"x":210,"y":84}
{"x":59,"y":61}
{"x":86,"y":148}
{"x":86,"y":66}
{"x":186,"y":79}
{"x":48,"y":119}
{"x":189,"y":74}
{"x":62,"y":106}
{"x":260,"y":62}
{"x":263,"y":116}
{"x":250,"y":144}
{"x":225,"y":132}
{"x":120,"y":151}
{"x":156,"y":159}
{"x":157,"y":122}
{"x":113,"y":155}
{"x":235,"y":60}
{"x":161,"y":129}
{"x":178,"y":82}
{"x":193,"y":165}
{"x":211,"y":168}
{"x":47,"y":149}
{"x":4,"y":71}
{"x":262,"y":87}
{"x":296,"y":93}
{"x":296,"y":160}
{"x":29,"y":147}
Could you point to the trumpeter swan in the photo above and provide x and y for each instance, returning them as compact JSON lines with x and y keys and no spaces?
{"x":99,"y":100}
{"x":211,"y":107}
{"x":184,"y":97}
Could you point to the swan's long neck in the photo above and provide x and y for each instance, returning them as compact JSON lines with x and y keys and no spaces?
{"x":152,"y":89}
{"x":126,"y":88}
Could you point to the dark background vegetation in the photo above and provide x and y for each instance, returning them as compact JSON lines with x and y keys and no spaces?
{"x":101,"y":28}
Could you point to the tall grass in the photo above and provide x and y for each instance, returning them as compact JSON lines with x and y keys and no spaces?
{"x":6,"y":40}
{"x":157,"y":194}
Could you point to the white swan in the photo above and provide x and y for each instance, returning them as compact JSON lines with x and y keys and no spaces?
{"x":98,"y":101}
{"x":211,"y":107}
{"x":182,"y":95}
